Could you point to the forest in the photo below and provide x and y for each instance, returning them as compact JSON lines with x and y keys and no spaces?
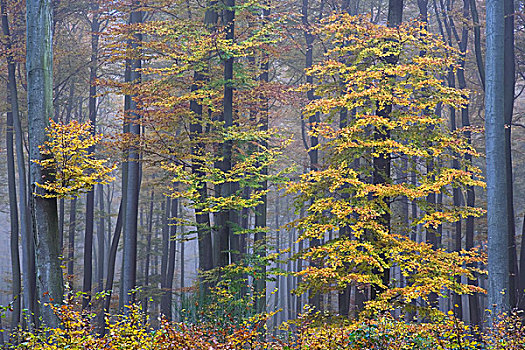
{"x":262,"y":174}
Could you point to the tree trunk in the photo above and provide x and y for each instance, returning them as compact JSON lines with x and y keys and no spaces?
{"x":196,"y":130}
{"x":11,"y":177}
{"x":474,"y":310}
{"x":101,"y":239}
{"x":497,"y":210}
{"x":13,"y":218}
{"x":40,"y":109}
{"x":71,"y":239}
{"x":381,"y":164}
{"x":314,"y":297}
{"x":28,"y":266}
{"x":509,"y":82}
{"x":129,"y":271}
{"x":148,"y":254}
{"x":261,"y":209}
{"x":477,"y":42}
{"x":110,"y":275}
{"x":166,"y":299}
{"x":225,"y":228}
{"x":522,"y":266}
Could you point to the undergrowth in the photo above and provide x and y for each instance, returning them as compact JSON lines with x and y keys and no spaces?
{"x":135,"y":331}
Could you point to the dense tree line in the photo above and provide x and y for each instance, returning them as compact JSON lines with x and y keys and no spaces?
{"x":320,"y":152}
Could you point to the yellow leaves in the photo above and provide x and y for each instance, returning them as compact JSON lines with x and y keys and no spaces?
{"x":68,"y":162}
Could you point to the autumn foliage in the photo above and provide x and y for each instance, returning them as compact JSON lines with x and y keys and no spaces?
{"x":380,"y":91}
{"x":309,"y":331}
{"x":73,"y":169}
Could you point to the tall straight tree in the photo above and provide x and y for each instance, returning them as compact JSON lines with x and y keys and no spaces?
{"x":11,"y":177}
{"x":39,"y":62}
{"x":129,"y":272}
{"x":497,"y":210}
{"x":313,"y":154}
{"x":90,"y":199}
{"x":382,"y":165}
{"x":28,"y":261}
{"x":13,"y":218}
{"x":509,"y":80}
{"x":261,"y":209}
{"x":202,"y":219}
{"x":224,"y":224}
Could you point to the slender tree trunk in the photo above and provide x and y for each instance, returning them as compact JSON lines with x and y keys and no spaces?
{"x":167,"y":295}
{"x":381,"y":164}
{"x":522,"y":266}
{"x":278,"y":285}
{"x":196,"y":130}
{"x":110,"y":274}
{"x":314,"y":297}
{"x":509,"y":82}
{"x":40,"y":109}
{"x":474,"y":310}
{"x":129,"y":271}
{"x":13,"y":218}
{"x":165,"y":251}
{"x":11,"y":177}
{"x":148,"y":253}
{"x":28,"y":266}
{"x":497,"y":204}
{"x":477,"y":42}
{"x":182,"y":261}
{"x":225,"y":229}
{"x":262,"y":208}
{"x":101,"y":239}
{"x":71,"y":239}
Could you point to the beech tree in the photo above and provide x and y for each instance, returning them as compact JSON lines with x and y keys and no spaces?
{"x":368,"y":82}
{"x":40,"y":109}
{"x":497,"y":206}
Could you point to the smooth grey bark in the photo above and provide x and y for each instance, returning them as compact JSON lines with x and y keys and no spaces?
{"x":351,"y":7}
{"x":224,"y":225}
{"x":522,"y":265}
{"x":395,"y":13}
{"x":124,"y":200}
{"x":477,"y":41}
{"x":278,"y":285}
{"x":167,"y":295}
{"x":497,"y":211}
{"x":129,"y":264}
{"x":474,"y":310}
{"x":202,"y":220}
{"x":148,"y":251}
{"x":71,"y":238}
{"x":166,"y":209}
{"x":39,"y":63}
{"x":110,"y":274}
{"x":28,"y":262}
{"x":101,"y":239}
{"x":314,"y":298}
{"x":16,"y":286}
{"x":456,"y":192}
{"x":262,"y":208}
{"x":90,"y":198}
{"x":382,"y":164}
{"x":11,"y":174}
{"x":509,"y":81}
{"x":182,"y":261}
{"x":87,"y":274}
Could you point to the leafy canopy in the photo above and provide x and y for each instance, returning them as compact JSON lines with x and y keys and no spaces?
{"x":368,"y":70}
